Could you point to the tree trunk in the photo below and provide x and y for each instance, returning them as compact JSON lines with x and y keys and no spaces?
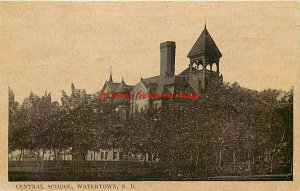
{"x":49,"y":154}
{"x":20,"y":156}
{"x":84,"y":162}
{"x":73,"y":167}
{"x":84,"y":156}
{"x":113,"y":154}
{"x":233,"y":162}
{"x":43,"y":158}
{"x":94,"y":155}
{"x":206,"y":162}
{"x":271,"y":163}
{"x":220,"y":158}
{"x":150,"y":161}
{"x":197,"y":158}
{"x":54,"y":155}
{"x":217,"y":155}
{"x":38,"y":160}
{"x":249,"y":164}
{"x":105,"y":159}
{"x":191,"y":157}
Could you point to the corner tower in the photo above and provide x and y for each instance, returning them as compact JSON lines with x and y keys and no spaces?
{"x":204,"y":52}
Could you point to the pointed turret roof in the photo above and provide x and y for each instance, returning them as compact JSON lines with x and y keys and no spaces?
{"x":113,"y":86}
{"x":205,"y":45}
{"x":110,"y":76}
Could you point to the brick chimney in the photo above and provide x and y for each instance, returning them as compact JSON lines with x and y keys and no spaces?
{"x":167,"y":59}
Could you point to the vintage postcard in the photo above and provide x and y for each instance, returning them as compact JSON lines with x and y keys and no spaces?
{"x":143,"y":96}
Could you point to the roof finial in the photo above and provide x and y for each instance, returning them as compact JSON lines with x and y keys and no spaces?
{"x":205,"y":21}
{"x":110,"y":75}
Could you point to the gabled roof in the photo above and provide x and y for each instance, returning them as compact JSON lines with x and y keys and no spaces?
{"x":181,"y":85}
{"x":186,"y":71}
{"x":205,"y":45}
{"x":149,"y":85}
{"x":154,"y":79}
{"x":124,"y":88}
{"x":112,"y":86}
{"x":161,"y":86}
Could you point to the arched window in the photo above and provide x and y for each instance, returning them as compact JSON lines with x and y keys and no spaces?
{"x":139,"y":95}
{"x":194,"y":65}
{"x":214,"y":67}
{"x":207,"y":67}
{"x":200,"y":67}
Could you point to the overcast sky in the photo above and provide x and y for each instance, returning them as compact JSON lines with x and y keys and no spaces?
{"x":47,"y":46}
